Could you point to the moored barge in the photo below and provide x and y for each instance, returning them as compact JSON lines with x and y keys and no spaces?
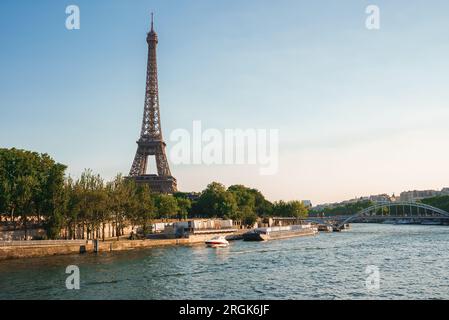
{"x":273,"y":233}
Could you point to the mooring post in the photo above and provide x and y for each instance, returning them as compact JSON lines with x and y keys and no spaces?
{"x":96,"y":245}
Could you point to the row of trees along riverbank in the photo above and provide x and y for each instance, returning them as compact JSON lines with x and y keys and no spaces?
{"x":342,"y":209}
{"x":34,"y":190}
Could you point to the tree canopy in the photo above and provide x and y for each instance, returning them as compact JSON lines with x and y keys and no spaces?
{"x":34,"y":186}
{"x":441,"y":202}
{"x":30,"y":183}
{"x":344,"y":209}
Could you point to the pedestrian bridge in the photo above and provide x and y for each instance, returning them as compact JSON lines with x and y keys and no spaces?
{"x":395,"y":210}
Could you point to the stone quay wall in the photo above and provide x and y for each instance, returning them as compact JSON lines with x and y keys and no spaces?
{"x":44,"y":248}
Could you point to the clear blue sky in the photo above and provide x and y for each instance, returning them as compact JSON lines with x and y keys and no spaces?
{"x":355,"y":108}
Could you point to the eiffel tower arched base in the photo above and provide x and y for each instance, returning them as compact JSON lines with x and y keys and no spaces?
{"x":157,"y":183}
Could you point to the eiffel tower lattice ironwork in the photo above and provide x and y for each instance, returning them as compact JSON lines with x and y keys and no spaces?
{"x":151,"y":142}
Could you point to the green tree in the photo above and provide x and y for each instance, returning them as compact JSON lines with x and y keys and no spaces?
{"x":144,"y":210}
{"x":343,"y":209}
{"x":121,"y":201}
{"x":216,"y":201}
{"x":92,"y":202}
{"x":263,"y":207}
{"x":23,"y":195}
{"x":5,"y":190}
{"x":167,"y":206}
{"x":441,"y":202}
{"x":184,"y":206}
{"x":51,"y":199}
{"x":30,"y":185}
{"x":298,"y":209}
{"x":248,"y":217}
{"x":290,"y":209}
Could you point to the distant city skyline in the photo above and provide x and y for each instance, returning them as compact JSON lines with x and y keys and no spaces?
{"x":359,"y":112}
{"x":405,"y":196}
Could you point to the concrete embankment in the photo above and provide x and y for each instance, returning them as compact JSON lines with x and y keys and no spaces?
{"x":41,"y":249}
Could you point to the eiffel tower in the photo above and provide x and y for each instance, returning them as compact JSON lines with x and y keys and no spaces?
{"x":151,"y":142}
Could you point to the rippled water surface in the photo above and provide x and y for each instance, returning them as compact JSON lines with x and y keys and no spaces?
{"x":413,"y":262}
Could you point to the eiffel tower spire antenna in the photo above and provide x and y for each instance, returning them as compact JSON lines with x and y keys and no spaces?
{"x":151,"y":142}
{"x":152,"y":22}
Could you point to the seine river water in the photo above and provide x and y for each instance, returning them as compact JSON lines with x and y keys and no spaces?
{"x":412,"y":263}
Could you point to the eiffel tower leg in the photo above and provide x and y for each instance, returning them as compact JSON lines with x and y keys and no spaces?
{"x":139,"y":166}
{"x":162,"y":164}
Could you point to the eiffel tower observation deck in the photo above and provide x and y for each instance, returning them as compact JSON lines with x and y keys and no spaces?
{"x":151,"y":142}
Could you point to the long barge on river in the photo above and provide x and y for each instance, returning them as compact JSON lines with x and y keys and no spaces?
{"x":273,"y":233}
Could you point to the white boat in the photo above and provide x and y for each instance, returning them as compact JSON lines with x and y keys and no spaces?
{"x":217,"y":242}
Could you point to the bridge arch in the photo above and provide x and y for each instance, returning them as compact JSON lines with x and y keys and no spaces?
{"x":373,"y":211}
